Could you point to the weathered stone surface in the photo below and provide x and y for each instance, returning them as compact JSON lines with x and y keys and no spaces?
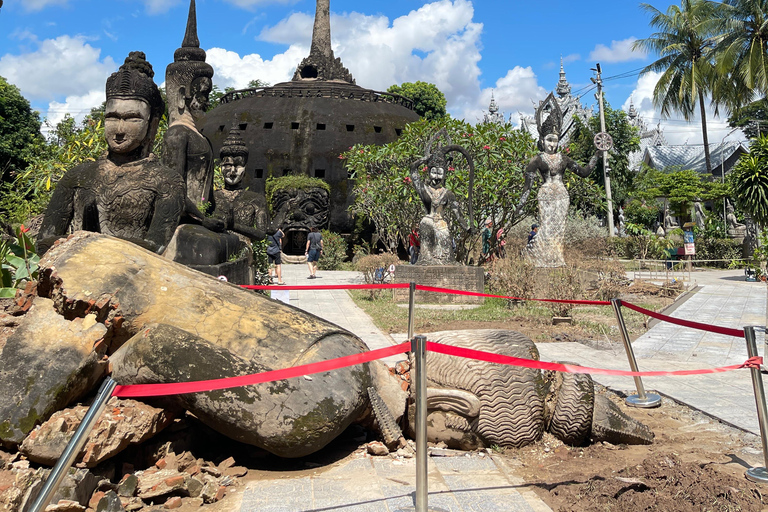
{"x":290,"y":418}
{"x":377,"y":448}
{"x":65,"y":506}
{"x":160,"y":483}
{"x":123,"y":423}
{"x":389,"y":389}
{"x":110,"y":502}
{"x":128,"y":486}
{"x":44,"y":365}
{"x":77,"y":486}
{"x":242,"y":331}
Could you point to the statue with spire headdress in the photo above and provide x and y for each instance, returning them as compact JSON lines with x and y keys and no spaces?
{"x":546,"y":248}
{"x":188,"y":84}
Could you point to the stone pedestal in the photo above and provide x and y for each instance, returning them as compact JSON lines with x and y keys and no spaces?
{"x":238,"y":271}
{"x":457,"y":277}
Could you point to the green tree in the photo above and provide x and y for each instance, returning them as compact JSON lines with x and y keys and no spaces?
{"x":214,"y":98}
{"x":428,"y":101}
{"x":752,"y":118}
{"x":626,"y":139}
{"x":19,"y":130}
{"x":741,"y":52}
{"x":748,"y":181}
{"x":684,"y":42}
{"x":386,"y":197}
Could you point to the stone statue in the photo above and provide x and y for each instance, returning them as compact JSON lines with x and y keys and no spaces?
{"x":699,"y":217}
{"x":622,"y":230}
{"x":436,"y":240}
{"x":244,"y":210}
{"x":185,"y":149}
{"x":474,"y":404}
{"x":669,"y":220}
{"x":735,"y":228}
{"x":547,"y":247}
{"x":127,"y":192}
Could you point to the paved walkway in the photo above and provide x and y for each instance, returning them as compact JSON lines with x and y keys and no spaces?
{"x":483,"y":483}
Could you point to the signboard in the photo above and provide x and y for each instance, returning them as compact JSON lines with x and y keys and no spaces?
{"x":690,"y":247}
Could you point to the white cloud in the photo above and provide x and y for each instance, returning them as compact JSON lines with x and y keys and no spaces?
{"x":620,"y":51}
{"x":77,"y":106}
{"x":65,"y":66}
{"x":37,"y":5}
{"x":676,"y":129}
{"x":159,"y":6}
{"x":515,"y":93}
{"x":571,"y":58}
{"x":231,"y":70}
{"x":437,"y":43}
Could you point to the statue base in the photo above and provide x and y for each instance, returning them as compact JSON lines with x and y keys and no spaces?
{"x":457,"y":277}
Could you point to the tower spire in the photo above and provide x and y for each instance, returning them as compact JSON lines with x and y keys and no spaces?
{"x":563,"y":87}
{"x":321,"y":64}
{"x":190,"y":36}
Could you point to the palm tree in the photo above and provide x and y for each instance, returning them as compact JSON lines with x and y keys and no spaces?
{"x":741,"y":50}
{"x":683,"y":42}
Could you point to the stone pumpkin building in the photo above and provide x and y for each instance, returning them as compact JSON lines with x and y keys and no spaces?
{"x":302,"y":126}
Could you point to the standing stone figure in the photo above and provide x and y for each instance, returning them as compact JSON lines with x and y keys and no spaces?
{"x":244,"y":210}
{"x":699,"y":216}
{"x":185,"y":149}
{"x":127,"y":192}
{"x":622,"y":226}
{"x":435,"y":237}
{"x":546,"y":249}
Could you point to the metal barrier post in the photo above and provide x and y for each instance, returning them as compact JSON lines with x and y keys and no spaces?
{"x":641,"y":399}
{"x":411,"y":307}
{"x":758,"y":474}
{"x":74,"y":446}
{"x":419,"y":347}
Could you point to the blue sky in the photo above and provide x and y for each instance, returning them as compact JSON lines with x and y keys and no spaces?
{"x":59,"y":52}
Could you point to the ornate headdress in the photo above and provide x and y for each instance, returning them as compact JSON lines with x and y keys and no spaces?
{"x":440,"y":158}
{"x":134,"y":81}
{"x":189,"y":60}
{"x":234,"y":145}
{"x":549,"y":118}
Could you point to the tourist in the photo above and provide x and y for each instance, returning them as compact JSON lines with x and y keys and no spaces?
{"x":500,"y":243}
{"x":532,"y":234}
{"x":414,"y":245}
{"x":313,"y":250}
{"x":274,"y":253}
{"x":486,"y":239}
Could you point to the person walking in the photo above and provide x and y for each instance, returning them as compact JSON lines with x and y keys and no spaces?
{"x":486,"y":241}
{"x":274,"y":253}
{"x":414,"y":245}
{"x":313,"y":250}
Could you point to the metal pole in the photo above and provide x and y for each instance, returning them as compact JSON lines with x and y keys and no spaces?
{"x":607,"y":178}
{"x":419,"y":347}
{"x":75,"y":445}
{"x":641,"y":399}
{"x":758,"y":474}
{"x":411,"y":307}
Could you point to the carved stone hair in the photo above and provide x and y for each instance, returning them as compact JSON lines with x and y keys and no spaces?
{"x":234,"y":145}
{"x":134,"y":81}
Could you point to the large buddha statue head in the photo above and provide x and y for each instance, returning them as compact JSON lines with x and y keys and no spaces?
{"x":133,"y":110}
{"x":188,"y":79}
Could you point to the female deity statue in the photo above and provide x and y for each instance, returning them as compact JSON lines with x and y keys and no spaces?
{"x":546,"y":249}
{"x":436,"y":241}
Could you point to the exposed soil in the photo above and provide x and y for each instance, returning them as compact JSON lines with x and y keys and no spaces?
{"x":695,"y":463}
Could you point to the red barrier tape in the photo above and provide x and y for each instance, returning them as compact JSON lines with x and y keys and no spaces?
{"x":328,"y":287}
{"x":143,"y":390}
{"x":686,"y":323}
{"x":752,"y":362}
{"x":477,"y":294}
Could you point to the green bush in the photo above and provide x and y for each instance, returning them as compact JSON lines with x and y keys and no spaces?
{"x":718,"y":249}
{"x":334,"y":251}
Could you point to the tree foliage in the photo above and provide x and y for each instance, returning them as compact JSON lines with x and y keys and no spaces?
{"x":428,"y":101}
{"x":386,"y":197}
{"x":748,"y":181}
{"x":19,"y":130}
{"x":626,"y":139}
{"x":752,"y":118}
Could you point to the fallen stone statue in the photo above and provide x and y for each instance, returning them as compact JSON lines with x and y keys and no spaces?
{"x":105,"y":303}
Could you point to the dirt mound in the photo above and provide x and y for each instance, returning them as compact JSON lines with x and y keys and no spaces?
{"x":661,"y":482}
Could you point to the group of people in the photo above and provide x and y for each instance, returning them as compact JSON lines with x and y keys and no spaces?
{"x":499,"y":250}
{"x":312,"y":251}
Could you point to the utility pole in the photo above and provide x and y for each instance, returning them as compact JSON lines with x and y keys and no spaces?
{"x":605,"y":146}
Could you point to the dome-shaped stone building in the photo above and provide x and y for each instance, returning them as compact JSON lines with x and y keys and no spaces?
{"x":302,"y":126}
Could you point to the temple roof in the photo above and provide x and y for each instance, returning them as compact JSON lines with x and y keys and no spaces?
{"x":722,"y":156}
